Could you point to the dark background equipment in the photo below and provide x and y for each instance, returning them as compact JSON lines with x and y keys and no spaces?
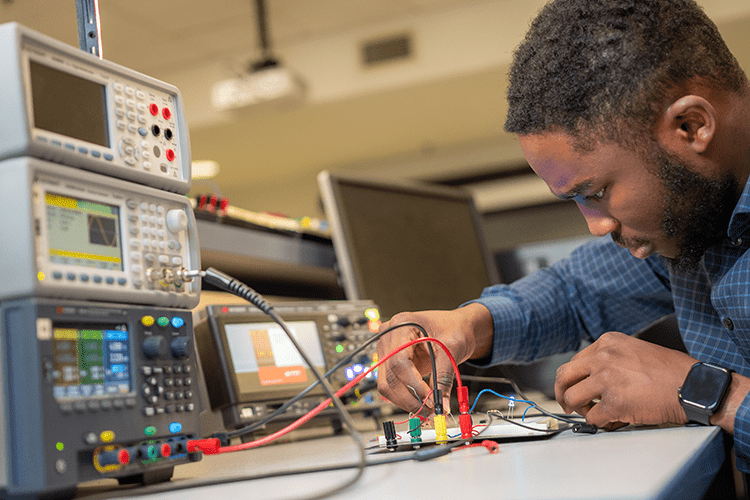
{"x":407,"y":246}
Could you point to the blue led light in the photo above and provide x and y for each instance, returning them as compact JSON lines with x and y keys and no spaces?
{"x":349,"y":374}
{"x":175,"y":427}
{"x":177,"y":322}
{"x":358,"y":368}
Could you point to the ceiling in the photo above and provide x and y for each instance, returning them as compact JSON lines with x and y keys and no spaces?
{"x":435,"y":115}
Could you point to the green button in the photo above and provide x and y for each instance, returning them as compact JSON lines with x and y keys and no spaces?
{"x":162,"y":321}
{"x":339,"y":348}
{"x":150,"y":430}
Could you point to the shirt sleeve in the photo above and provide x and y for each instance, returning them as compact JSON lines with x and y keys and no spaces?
{"x":742,"y":436}
{"x":601,"y":287}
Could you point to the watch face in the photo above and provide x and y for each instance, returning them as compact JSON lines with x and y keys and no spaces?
{"x":705,"y":386}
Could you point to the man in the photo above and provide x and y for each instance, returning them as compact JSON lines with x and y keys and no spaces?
{"x":637,"y":111}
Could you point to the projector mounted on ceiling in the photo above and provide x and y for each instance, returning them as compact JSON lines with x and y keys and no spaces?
{"x":274,"y":83}
{"x":266,"y":80}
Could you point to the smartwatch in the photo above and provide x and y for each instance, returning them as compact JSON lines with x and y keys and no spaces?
{"x":703,"y":391}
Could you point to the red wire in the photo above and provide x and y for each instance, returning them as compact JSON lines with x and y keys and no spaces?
{"x":492,"y":446}
{"x":210,"y":446}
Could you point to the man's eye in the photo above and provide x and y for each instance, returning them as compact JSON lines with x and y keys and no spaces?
{"x":596,"y":196}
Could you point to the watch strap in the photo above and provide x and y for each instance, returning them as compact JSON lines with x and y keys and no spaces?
{"x":697,"y":415}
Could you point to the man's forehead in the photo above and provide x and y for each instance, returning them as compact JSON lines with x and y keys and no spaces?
{"x":552,"y":158}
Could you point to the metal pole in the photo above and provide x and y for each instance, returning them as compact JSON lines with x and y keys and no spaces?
{"x":89,"y":27}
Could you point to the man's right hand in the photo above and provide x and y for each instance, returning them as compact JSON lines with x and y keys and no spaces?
{"x":467,"y":332}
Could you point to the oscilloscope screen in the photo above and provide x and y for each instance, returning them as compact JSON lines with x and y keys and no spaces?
{"x":83,"y":233}
{"x":266,"y":363}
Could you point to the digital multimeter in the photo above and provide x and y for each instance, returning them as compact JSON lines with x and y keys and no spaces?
{"x":67,"y":106}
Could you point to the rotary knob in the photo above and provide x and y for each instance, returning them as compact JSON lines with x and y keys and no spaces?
{"x":177,"y":220}
{"x":180,"y":347}
{"x":153,"y":347}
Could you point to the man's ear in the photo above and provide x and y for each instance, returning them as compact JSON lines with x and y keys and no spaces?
{"x":690,"y":122}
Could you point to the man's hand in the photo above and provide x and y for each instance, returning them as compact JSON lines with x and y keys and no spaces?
{"x":623,"y":380}
{"x":466,"y":332}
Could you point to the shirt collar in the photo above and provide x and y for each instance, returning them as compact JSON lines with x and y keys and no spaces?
{"x":740,"y":220}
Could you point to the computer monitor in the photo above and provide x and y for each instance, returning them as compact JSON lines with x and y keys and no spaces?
{"x":407,"y":246}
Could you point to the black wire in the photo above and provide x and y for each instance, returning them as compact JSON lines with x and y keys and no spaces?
{"x":514,"y":422}
{"x":436,"y":394}
{"x":240,"y":289}
{"x":564,"y":418}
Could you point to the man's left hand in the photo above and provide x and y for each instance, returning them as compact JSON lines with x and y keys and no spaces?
{"x":621,"y":380}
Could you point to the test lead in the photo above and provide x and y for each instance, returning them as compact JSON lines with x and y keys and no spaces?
{"x":441,"y":430}
{"x":389,"y":431}
{"x":464,"y":418}
{"x":415,"y":430}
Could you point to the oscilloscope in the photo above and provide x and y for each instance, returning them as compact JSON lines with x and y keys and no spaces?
{"x":251,"y":368}
{"x":67,"y":106}
{"x":76,"y":234}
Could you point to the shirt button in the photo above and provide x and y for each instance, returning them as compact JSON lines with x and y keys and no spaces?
{"x":729,"y":324}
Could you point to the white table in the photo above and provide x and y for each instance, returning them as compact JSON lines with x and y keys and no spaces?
{"x":631,"y":463}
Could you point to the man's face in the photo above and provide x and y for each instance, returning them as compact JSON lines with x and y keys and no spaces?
{"x":666,"y":208}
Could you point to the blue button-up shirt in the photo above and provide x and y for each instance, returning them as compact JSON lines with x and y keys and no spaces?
{"x":602,"y":287}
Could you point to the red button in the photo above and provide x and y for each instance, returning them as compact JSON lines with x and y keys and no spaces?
{"x":170,"y":155}
{"x":123,"y":456}
{"x":166,"y":450}
{"x":166,"y":113}
{"x":154,"y":109}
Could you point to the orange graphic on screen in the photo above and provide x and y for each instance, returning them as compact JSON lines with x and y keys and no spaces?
{"x":275,"y":375}
{"x":262,"y":346}
{"x":268,"y":372}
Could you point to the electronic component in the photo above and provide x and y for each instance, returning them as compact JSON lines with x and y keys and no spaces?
{"x":251,"y":368}
{"x":90,"y":391}
{"x":71,"y":233}
{"x":67,"y":106}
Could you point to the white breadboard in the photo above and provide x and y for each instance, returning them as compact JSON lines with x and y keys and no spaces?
{"x":494,"y":431}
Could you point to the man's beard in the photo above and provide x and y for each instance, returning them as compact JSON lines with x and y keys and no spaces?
{"x":698,"y":209}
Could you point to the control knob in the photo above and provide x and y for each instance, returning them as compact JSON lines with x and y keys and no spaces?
{"x":153,"y":347}
{"x":177,"y":220}
{"x":180,"y":347}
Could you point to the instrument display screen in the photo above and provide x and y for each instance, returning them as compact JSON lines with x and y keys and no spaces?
{"x":69,"y":105}
{"x":83,"y":233}
{"x":90,"y":362}
{"x":265,"y":360}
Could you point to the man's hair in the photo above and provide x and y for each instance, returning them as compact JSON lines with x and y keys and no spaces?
{"x":593,"y":66}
